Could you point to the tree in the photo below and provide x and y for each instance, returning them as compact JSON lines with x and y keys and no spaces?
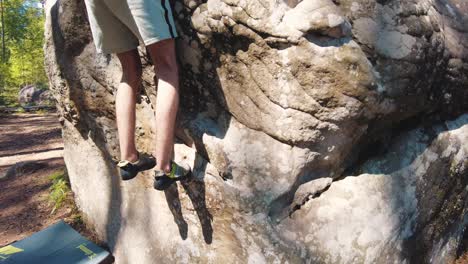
{"x":3,"y":30}
{"x":22,"y":42}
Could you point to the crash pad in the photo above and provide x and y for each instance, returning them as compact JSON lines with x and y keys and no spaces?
{"x":57,"y":244}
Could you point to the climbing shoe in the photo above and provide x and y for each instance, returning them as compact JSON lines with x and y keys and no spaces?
{"x":179,"y":171}
{"x":128,"y":170}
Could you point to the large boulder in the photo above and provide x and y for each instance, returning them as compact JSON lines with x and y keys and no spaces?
{"x":46,"y":98}
{"x":32,"y":95}
{"x":406,"y":205}
{"x":279,"y":100}
{"x":28,"y":94}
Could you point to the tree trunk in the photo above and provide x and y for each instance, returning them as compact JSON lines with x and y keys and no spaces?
{"x":3,"y":31}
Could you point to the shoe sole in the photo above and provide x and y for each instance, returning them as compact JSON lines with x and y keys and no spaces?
{"x":172,"y":180}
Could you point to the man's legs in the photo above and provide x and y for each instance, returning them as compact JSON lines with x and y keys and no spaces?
{"x":125,"y":103}
{"x":165,"y":65}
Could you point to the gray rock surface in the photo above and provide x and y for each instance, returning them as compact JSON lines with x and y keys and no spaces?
{"x":408,"y":203}
{"x":278,"y":98}
{"x":28,"y":94}
{"x":31,"y":95}
{"x":21,"y":168}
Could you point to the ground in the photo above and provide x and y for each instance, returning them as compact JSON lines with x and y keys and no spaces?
{"x":463,"y":259}
{"x":25,"y":207}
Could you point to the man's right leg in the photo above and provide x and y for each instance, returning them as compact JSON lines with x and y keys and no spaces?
{"x":131,"y":162}
{"x":163,"y":54}
{"x":125,"y":103}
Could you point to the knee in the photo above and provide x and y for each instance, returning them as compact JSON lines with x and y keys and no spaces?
{"x":131,"y":68}
{"x":163,"y":55}
{"x":165,"y":66}
{"x":132,"y":74}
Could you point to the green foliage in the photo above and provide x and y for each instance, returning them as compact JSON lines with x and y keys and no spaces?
{"x":9,"y":97}
{"x":60,"y":189}
{"x":77,"y":219}
{"x":24,"y":55}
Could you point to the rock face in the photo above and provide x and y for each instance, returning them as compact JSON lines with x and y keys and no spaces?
{"x":407,"y":203}
{"x":30,"y":94}
{"x":290,"y":114}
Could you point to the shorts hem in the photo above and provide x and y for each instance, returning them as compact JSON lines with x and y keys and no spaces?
{"x":116,"y":50}
{"x":156,"y":40}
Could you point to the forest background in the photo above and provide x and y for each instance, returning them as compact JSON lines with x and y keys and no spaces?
{"x":21,"y":50}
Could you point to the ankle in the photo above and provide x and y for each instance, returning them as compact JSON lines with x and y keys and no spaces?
{"x":165,"y":168}
{"x":130,"y":157}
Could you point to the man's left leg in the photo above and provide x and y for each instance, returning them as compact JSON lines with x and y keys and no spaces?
{"x":165,"y":66}
{"x":163,"y":54}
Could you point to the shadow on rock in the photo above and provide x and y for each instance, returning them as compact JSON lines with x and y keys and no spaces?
{"x":196,"y":191}
{"x":173,"y":201}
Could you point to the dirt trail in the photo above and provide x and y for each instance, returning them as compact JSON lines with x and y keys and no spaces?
{"x":24,"y":204}
{"x":29,"y":137}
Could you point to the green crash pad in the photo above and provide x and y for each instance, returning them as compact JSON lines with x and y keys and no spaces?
{"x":57,"y":244}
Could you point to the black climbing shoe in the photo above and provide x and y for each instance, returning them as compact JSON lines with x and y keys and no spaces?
{"x":163,"y":180}
{"x":128,"y":170}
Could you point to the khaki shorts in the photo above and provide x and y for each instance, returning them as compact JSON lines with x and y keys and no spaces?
{"x":118,"y":25}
